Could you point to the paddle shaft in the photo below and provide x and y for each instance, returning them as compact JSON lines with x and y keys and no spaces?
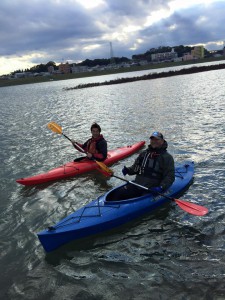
{"x":143,"y":187}
{"x":191,"y":208}
{"x":67,"y":137}
{"x":58,"y":129}
{"x":100,"y":164}
{"x":53,"y":126}
{"x":81,"y":149}
{"x":188,"y":207}
{"x":131,"y":182}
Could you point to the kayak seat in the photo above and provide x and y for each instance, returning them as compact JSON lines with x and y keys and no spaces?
{"x":125,"y":192}
{"x":79,"y":158}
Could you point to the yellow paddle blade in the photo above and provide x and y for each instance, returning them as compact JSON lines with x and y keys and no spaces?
{"x":104,"y":167}
{"x":55,"y":127}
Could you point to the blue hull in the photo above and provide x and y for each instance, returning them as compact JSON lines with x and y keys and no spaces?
{"x":105,"y":213}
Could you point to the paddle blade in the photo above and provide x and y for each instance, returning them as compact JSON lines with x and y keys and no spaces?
{"x":192,"y":208}
{"x":104,"y":168}
{"x":55,"y":127}
{"x":103,"y":172}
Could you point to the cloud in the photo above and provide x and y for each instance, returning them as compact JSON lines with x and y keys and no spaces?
{"x":37,"y":31}
{"x":187,"y":27}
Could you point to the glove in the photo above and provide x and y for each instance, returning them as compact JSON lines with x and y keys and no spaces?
{"x":156,"y":190}
{"x":125,"y":170}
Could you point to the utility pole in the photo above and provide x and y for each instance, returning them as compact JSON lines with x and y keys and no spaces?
{"x":112,"y":60}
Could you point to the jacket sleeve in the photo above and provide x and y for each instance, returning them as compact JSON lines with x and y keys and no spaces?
{"x":168,"y":172}
{"x":102,"y":149}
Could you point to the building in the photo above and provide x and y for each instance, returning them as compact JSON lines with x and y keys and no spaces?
{"x":198,"y":52}
{"x":79,"y":69}
{"x":165,"y":56}
{"x":64,"y":68}
{"x":51,"y":69}
{"x":23,"y":75}
{"x":187,"y":56}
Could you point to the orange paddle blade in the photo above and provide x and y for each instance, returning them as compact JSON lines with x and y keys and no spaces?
{"x":104,"y":168}
{"x":55,"y":127}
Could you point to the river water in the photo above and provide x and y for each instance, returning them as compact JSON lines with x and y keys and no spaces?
{"x":166,"y":255}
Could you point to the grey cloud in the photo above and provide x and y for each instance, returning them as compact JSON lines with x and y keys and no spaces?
{"x":188,"y":29}
{"x":36,"y":25}
{"x":50,"y":28}
{"x":136,"y":8}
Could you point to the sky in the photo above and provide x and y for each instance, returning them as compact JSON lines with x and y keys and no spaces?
{"x":38,"y":31}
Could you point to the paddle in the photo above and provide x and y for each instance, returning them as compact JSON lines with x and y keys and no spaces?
{"x":58,"y":129}
{"x":191,"y":208}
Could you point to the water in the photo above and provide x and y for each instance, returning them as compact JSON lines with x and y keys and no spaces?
{"x":167,"y":255}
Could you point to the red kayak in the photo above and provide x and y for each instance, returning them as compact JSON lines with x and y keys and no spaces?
{"x":72,"y":169}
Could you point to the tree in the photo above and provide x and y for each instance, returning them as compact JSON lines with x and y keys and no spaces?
{"x":51,"y":64}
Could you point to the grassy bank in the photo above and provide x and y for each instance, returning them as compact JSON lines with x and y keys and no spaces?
{"x":19,"y":81}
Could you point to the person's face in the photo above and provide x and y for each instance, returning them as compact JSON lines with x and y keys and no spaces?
{"x":95,"y":133}
{"x":156,"y":143}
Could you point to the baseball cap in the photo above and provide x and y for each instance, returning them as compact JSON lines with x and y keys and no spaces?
{"x":156,"y":134}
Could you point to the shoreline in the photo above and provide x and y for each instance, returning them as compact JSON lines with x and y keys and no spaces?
{"x":59,"y":77}
{"x":187,"y":71}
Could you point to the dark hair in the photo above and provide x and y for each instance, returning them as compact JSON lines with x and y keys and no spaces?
{"x":95,"y":125}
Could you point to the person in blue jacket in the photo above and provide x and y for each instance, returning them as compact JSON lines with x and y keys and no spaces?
{"x":154,"y":167}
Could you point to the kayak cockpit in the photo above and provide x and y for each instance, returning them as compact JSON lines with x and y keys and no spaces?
{"x":121,"y":193}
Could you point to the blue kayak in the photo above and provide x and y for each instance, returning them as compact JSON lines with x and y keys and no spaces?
{"x":109,"y":211}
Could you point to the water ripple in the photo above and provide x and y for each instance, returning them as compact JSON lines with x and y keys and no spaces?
{"x":181,"y":252}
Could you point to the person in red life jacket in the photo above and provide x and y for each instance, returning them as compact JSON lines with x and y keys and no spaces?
{"x":154,"y":167}
{"x":96,"y":146}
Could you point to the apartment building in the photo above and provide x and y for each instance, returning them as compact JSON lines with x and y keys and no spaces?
{"x":165,"y":56}
{"x":198,"y":52}
{"x":64,"y":68}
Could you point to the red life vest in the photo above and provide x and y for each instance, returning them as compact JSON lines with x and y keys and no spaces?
{"x":91,"y":145}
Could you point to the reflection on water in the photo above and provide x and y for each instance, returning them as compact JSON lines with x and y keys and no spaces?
{"x":182,"y":253}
